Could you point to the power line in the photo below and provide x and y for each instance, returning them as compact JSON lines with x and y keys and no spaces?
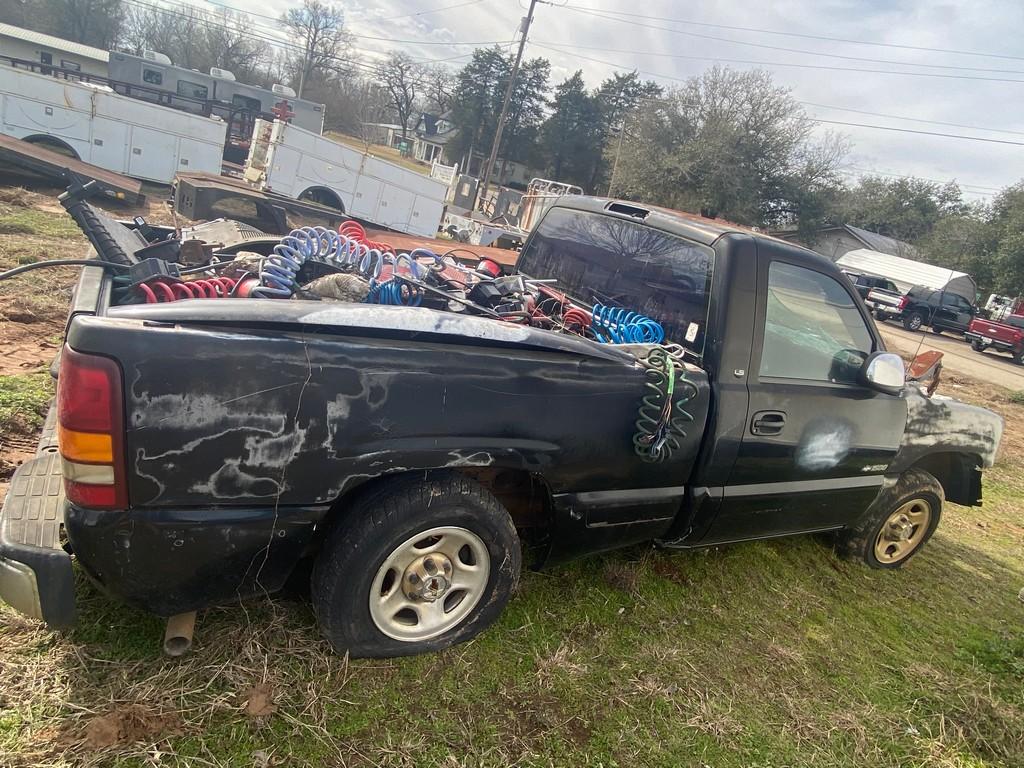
{"x":912,"y":119}
{"x":796,"y":50}
{"x":963,"y":185}
{"x":368,"y":18}
{"x":366,"y":68}
{"x":475,"y":44}
{"x":942,"y":75}
{"x":922,"y":133}
{"x":424,"y":13}
{"x":796,"y":34}
{"x":820,"y":120}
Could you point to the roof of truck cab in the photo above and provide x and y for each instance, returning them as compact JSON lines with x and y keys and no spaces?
{"x":700,"y":228}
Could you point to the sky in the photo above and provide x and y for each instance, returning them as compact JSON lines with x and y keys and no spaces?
{"x":602,"y":36}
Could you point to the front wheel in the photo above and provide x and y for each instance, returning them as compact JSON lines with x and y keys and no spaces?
{"x":898,"y":524}
{"x":913,"y":321}
{"x":415,"y":565}
{"x":1018,"y":356}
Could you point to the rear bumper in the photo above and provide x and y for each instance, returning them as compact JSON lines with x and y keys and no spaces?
{"x":1002,"y":346}
{"x":35,"y":570}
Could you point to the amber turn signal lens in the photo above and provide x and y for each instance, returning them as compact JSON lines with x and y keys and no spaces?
{"x":85,"y":447}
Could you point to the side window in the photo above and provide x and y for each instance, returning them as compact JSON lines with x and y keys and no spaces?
{"x":192,"y":90}
{"x":812,"y":328}
{"x":950,"y":300}
{"x":152,"y":76}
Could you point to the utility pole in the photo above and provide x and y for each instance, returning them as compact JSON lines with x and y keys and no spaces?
{"x":489,"y":168}
{"x":618,"y":151}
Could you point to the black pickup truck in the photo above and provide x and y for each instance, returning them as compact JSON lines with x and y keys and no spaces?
{"x":205,"y":450}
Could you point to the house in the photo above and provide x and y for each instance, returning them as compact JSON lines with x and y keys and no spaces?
{"x":837,"y":241}
{"x":426,"y":141}
{"x":26,"y":45}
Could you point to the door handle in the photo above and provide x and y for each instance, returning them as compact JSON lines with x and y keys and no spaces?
{"x":767,"y":423}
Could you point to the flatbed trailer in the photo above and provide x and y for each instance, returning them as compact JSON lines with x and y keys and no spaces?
{"x":54,"y":165}
{"x":195,"y":195}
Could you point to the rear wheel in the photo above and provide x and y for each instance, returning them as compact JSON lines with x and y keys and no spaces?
{"x":416,"y":565}
{"x":898,"y":524}
{"x":1018,"y":356}
{"x":977,"y":346}
{"x":913,"y":321}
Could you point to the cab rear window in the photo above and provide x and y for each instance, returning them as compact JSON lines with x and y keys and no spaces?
{"x":600,"y":259}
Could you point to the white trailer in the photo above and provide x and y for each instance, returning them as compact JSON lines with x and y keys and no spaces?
{"x":294,"y":162}
{"x":115,"y":132}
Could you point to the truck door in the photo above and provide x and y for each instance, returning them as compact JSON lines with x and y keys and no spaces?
{"x":954,"y":312}
{"x":816,"y":443}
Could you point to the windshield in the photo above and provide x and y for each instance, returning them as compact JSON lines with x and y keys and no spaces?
{"x":599,"y":259}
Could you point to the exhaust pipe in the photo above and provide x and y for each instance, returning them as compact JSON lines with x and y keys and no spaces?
{"x":178,"y":636}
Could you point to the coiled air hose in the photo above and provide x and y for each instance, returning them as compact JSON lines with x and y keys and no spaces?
{"x":661,"y":421}
{"x":348,"y":251}
{"x":616,"y":325}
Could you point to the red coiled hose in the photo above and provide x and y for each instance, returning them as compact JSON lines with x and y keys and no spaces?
{"x":355,"y":231}
{"x":161,"y":292}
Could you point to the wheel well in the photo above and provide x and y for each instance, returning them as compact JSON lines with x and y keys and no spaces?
{"x":525,"y":495}
{"x":323,"y":196}
{"x":959,"y":475}
{"x":60,"y":145}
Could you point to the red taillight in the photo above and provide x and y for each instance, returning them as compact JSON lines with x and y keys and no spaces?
{"x":904,"y":300}
{"x":91,"y":434}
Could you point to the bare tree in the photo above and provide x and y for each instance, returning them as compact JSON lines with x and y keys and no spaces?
{"x":319,"y":29}
{"x":400,"y":76}
{"x":93,"y":22}
{"x":439,"y":84}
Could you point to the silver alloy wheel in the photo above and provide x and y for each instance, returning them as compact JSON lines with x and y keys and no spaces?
{"x":429,"y":584}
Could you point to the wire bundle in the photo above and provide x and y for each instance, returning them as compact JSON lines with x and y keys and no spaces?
{"x":661,"y":421}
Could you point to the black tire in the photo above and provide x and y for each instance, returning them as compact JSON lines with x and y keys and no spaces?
{"x":936,"y":330}
{"x":1018,"y":356}
{"x":376,"y":526}
{"x":859,"y":541}
{"x":913,"y":321}
{"x":881,"y":316}
{"x":977,"y":346}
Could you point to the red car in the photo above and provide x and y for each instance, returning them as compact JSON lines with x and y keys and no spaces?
{"x":1006,"y":335}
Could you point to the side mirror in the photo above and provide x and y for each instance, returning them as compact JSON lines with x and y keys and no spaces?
{"x":884,"y":371}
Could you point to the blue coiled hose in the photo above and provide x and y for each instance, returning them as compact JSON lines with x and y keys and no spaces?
{"x":617,"y":325}
{"x":277,"y":277}
{"x":396,"y":292}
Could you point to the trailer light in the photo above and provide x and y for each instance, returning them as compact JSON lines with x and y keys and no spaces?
{"x":90,"y":433}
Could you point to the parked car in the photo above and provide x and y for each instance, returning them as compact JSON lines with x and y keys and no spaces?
{"x":209,"y":448}
{"x":939,"y":310}
{"x":1006,"y":335}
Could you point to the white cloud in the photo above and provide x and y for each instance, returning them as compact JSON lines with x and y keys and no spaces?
{"x":989,"y":26}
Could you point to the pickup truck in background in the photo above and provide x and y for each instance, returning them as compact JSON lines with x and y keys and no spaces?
{"x":206,"y":450}
{"x":920,"y":306}
{"x":865,"y":283}
{"x":1006,"y":335}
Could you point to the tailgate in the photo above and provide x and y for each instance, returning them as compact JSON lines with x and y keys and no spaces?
{"x":35,"y":570}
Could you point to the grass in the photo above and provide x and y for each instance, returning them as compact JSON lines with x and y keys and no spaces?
{"x":16,"y":220}
{"x":23,"y":401}
{"x":379,"y":150}
{"x":764,"y":654}
{"x":1017,"y":397}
